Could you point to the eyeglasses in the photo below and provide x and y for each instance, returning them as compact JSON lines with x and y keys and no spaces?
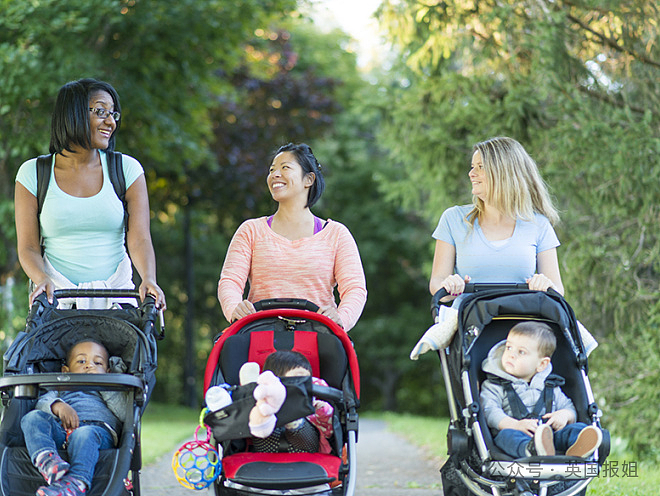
{"x":103,"y":113}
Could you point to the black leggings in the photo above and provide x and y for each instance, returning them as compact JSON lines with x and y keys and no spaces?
{"x":299,"y":436}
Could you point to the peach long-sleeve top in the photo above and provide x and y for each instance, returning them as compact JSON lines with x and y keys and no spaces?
{"x":307,"y":268}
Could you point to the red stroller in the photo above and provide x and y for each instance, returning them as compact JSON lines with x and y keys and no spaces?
{"x":286,"y":324}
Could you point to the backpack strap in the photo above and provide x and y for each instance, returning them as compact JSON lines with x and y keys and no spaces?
{"x":116,"y":176}
{"x":43,"y":178}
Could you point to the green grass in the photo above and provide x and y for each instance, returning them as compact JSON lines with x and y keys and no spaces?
{"x":622,"y":475}
{"x":164,"y":428}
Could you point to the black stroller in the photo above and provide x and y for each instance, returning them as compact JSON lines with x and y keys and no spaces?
{"x":284,"y":324}
{"x":33,"y":363}
{"x":476,"y":465}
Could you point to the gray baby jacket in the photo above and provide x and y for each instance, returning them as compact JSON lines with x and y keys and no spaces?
{"x":494,"y":401}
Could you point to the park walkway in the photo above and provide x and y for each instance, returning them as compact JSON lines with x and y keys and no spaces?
{"x":387,"y":466}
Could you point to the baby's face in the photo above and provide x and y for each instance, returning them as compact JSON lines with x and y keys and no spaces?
{"x":87,"y":358}
{"x":521,"y":357}
{"x":297,"y":372}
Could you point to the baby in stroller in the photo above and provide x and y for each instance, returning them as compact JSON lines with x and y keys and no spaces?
{"x":252,"y":464}
{"x":82,"y":421}
{"x":33,"y":365}
{"x":520,"y":393}
{"x":298,"y":436}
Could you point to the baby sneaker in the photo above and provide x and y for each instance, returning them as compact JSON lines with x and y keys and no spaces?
{"x":587,"y":442}
{"x":51,"y":466}
{"x":542,"y":444}
{"x":68,"y":486}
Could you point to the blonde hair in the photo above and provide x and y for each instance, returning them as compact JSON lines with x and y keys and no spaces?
{"x":515,"y":186}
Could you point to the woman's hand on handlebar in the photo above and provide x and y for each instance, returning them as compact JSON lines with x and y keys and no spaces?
{"x":149,"y":287}
{"x":540,"y":282}
{"x":455,"y":284}
{"x":45,"y":286}
{"x":332,"y":313}
{"x":243,"y":309}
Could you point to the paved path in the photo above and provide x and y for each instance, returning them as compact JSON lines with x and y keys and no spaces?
{"x":387,"y":466}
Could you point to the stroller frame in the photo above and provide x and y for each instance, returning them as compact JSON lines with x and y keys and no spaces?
{"x":470,"y":444}
{"x":20,"y":385}
{"x":344,"y":397}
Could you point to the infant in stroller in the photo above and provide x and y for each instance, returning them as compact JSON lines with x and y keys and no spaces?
{"x":82,"y":421}
{"x":298,"y":436}
{"x":523,"y":402}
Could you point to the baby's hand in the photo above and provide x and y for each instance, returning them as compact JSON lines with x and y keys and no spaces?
{"x":66,"y":414}
{"x":559,"y":419}
{"x":528,"y":426}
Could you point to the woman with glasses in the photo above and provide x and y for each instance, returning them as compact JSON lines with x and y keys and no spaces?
{"x":82,"y":224}
{"x":293,"y":253}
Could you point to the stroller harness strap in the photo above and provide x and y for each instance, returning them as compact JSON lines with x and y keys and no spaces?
{"x":544,"y":403}
{"x":262,"y":344}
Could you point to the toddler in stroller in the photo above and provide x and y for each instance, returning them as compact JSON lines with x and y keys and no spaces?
{"x":476,"y":464}
{"x":302,"y":435}
{"x":519,"y":372}
{"x":251,"y":466}
{"x":33,"y":365}
{"x":83,"y":421}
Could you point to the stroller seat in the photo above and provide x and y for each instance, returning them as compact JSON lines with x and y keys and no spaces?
{"x":332,"y":358}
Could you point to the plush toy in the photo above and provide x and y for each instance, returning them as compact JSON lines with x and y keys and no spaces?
{"x":270,"y":394}
{"x":248,"y":373}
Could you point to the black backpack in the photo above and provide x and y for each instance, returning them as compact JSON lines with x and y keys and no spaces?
{"x":115,"y":173}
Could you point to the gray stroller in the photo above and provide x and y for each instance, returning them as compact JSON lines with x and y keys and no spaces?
{"x":476,"y":466}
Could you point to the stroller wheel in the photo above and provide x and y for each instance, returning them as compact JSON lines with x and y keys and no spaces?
{"x":457,"y":442}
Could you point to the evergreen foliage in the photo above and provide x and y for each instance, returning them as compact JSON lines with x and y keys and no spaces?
{"x":577,"y":83}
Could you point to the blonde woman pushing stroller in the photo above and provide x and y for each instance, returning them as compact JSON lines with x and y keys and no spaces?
{"x":506,"y":235}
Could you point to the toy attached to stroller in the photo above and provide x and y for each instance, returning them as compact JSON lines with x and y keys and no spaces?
{"x":285,"y":324}
{"x":33,"y":365}
{"x":476,"y":465}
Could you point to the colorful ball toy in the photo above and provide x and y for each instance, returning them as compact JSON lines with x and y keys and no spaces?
{"x":196,"y":464}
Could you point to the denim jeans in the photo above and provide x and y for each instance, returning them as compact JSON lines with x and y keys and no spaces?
{"x":44,"y":432}
{"x":514,"y":442}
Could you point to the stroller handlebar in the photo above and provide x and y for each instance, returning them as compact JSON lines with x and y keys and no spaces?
{"x":473,"y":287}
{"x":295,"y":303}
{"x":148,"y":305}
{"x":26,"y":386}
{"x":327,"y":393}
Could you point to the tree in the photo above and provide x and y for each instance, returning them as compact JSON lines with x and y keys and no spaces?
{"x":577,"y":83}
{"x":166,"y":60}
